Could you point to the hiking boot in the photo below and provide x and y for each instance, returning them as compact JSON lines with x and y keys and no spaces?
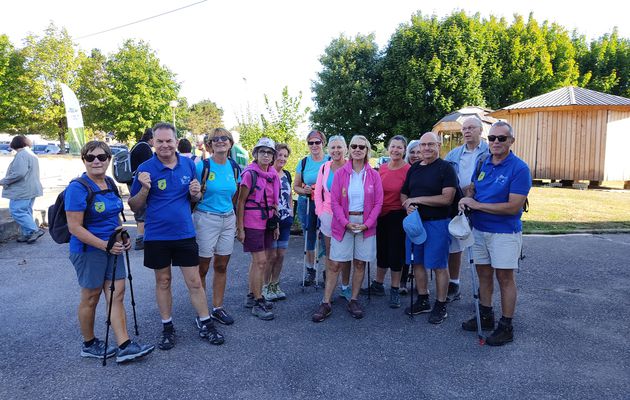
{"x":96,"y":350}
{"x":261,"y":310}
{"x":355,"y":309}
{"x":250,"y":300}
{"x":309,"y":278}
{"x":502,"y":335}
{"x":132,"y":351}
{"x":268,"y":294}
{"x":419,"y":306}
{"x":139,"y":243}
{"x":221,"y":316}
{"x":403,"y":290}
{"x":280,"y":295}
{"x":346,"y":293}
{"x":438,"y":314}
{"x":376,"y":288}
{"x":394,"y":298}
{"x":34,"y":236}
{"x":209,"y":332}
{"x":453,"y":292}
{"x":487,"y":323}
{"x":167,"y":341}
{"x":323,"y":311}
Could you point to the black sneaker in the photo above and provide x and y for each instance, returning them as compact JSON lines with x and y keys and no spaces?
{"x":377,"y":289}
{"x":453,"y":292}
{"x":221,"y":316}
{"x":502,"y":335}
{"x":438,"y":314}
{"x":209,"y":332}
{"x":309,"y":279}
{"x":419,"y":307}
{"x":487,"y":323}
{"x":167,"y":341}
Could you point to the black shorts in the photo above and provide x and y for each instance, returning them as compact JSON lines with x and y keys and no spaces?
{"x":390,"y":240}
{"x":160,"y":254}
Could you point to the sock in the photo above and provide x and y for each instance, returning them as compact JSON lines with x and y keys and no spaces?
{"x":344,"y":287}
{"x":455,"y":281}
{"x":89,"y":342}
{"x":506,"y":321}
{"x":484,"y":310}
{"x":124,"y":345}
{"x":167,"y":321}
{"x":216,"y":308}
{"x":204,"y":320}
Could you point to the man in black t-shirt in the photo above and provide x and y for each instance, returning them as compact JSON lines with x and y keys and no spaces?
{"x":140,"y":153}
{"x":430,"y":189}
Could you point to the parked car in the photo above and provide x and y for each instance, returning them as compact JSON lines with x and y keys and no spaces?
{"x":49,"y":148}
{"x":5,"y":149}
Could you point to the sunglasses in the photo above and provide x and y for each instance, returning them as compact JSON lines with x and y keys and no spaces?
{"x":315,"y":143}
{"x":360,"y":146}
{"x":492,"y":138}
{"x":92,"y":157}
{"x":220,"y":139}
{"x":265,"y":152}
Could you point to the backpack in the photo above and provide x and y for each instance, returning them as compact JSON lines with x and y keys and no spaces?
{"x":303,"y":165}
{"x":480,"y":162}
{"x":57,"y":219}
{"x":263,"y":209}
{"x":236,"y":169}
{"x":121,"y":166}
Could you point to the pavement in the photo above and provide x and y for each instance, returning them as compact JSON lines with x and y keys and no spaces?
{"x":571,"y":335}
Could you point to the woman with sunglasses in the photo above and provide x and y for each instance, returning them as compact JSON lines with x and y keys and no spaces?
{"x":357,"y":198}
{"x":305,"y":178}
{"x":214,"y":218}
{"x":257,"y":219}
{"x":337,"y":150}
{"x":91,"y":226}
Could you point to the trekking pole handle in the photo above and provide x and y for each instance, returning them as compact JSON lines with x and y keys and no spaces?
{"x":114,"y":237}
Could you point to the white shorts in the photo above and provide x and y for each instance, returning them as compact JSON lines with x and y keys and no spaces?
{"x":215,"y":233}
{"x":353,"y":246}
{"x":499,"y":250}
{"x":325,"y":221}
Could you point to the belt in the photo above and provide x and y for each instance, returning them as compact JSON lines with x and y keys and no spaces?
{"x":355,"y":213}
{"x":225,"y":215}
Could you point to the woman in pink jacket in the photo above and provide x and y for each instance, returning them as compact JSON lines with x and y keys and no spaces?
{"x":356,"y":198}
{"x":337,"y":149}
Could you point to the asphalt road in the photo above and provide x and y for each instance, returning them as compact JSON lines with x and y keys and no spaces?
{"x":571,"y":336}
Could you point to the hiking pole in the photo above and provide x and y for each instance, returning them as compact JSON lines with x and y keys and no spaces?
{"x":369,"y":282}
{"x":305,"y":230}
{"x":411,"y":279}
{"x":475,"y":288}
{"x":110,"y":244}
{"x":125,"y":238}
{"x":316,"y":265}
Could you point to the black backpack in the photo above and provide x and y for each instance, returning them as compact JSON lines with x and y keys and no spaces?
{"x":57,"y":219}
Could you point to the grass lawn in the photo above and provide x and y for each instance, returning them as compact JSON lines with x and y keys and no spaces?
{"x":563,"y":210}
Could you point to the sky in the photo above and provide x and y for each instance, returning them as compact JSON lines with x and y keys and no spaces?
{"x":233,"y":52}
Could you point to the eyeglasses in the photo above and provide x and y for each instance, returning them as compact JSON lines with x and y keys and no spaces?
{"x":360,"y":146}
{"x":315,"y":143}
{"x":216,"y":139}
{"x":502,"y":138}
{"x":92,"y":157}
{"x":265,"y":152}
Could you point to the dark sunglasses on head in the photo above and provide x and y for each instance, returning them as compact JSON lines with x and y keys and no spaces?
{"x":220,"y":139}
{"x":315,"y":143}
{"x":92,"y":157}
{"x":492,"y":138}
{"x":360,"y":146}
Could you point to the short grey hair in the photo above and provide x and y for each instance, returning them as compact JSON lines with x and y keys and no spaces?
{"x":412,"y":145}
{"x":499,"y":124}
{"x":477,"y":121}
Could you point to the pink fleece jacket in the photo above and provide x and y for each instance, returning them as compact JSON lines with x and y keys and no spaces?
{"x":322,"y":195}
{"x":373,"y":200}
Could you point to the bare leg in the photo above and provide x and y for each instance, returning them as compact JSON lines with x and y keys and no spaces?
{"x":119,"y":322}
{"x":195,"y":291}
{"x":507,"y":285}
{"x":380,"y":275}
{"x":441,"y":283}
{"x":277,"y":265}
{"x":332,"y":273}
{"x":219,"y":280}
{"x":163,"y":292}
{"x":204,"y":266}
{"x":486,"y":284}
{"x":421,"y":279}
{"x":454,"y":264}
{"x":257,"y":271}
{"x":345,"y":274}
{"x":87,"y":311}
{"x":357,"y":278}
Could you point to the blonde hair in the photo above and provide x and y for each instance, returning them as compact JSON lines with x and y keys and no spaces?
{"x":367,"y":143}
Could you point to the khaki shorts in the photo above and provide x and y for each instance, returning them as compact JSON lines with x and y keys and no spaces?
{"x":325,"y":222}
{"x":353,"y":246}
{"x":215,"y":233}
{"x":499,"y":250}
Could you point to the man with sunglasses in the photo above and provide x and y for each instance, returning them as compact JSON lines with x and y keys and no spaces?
{"x":464,"y":159}
{"x":498,"y":192}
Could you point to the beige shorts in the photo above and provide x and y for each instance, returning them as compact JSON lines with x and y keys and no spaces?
{"x":325,"y":221}
{"x":499,"y":250}
{"x":215,"y":233}
{"x":353,"y":245}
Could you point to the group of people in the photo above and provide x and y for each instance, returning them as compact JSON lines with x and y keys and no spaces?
{"x":362,"y":214}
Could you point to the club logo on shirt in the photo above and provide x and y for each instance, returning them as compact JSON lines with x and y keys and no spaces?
{"x":211,"y":176}
{"x":481,"y":176}
{"x":162,"y":184}
{"x":343,"y":192}
{"x":185,"y":180}
{"x":99,"y":206}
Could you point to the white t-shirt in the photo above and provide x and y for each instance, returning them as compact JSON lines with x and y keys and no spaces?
{"x":356,"y":194}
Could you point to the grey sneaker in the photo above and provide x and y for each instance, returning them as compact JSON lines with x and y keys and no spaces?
{"x":221,"y":316}
{"x":209,"y":332}
{"x":96,"y":350}
{"x":453,"y":292}
{"x":394,"y":298}
{"x":34,"y":236}
{"x":261,"y":310}
{"x":251,"y":302}
{"x":132,"y":351}
{"x":22,"y":239}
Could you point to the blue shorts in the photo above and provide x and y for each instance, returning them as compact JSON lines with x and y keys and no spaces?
{"x":309,"y":223}
{"x":285,"y":232}
{"x":95,"y":267}
{"x":433,"y":253}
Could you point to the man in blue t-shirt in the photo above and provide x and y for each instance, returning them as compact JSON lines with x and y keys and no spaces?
{"x":499,"y":191}
{"x":165,"y":185}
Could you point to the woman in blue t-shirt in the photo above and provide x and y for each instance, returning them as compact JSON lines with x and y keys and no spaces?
{"x":304,"y":185}
{"x":90,"y":226}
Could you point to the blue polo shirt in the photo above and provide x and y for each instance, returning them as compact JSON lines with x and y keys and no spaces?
{"x":168,"y":214}
{"x":494,"y":185}
{"x":101,"y":219}
{"x":220,"y":187}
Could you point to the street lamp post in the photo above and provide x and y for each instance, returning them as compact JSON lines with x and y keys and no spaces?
{"x":174,"y":104}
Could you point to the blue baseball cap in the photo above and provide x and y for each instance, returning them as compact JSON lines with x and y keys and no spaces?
{"x":412,"y":224}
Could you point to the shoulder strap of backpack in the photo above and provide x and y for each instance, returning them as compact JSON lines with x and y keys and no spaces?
{"x":480,"y":161}
{"x":303,"y":167}
{"x":288,"y":175}
{"x":236,"y":169}
{"x":205,"y":171}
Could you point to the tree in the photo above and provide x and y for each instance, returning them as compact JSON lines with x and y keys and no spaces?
{"x":344,"y":91}
{"x":93,"y":89}
{"x":203,"y":116}
{"x":16,"y":100}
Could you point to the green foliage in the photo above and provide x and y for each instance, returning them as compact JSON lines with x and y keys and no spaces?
{"x":15,"y":89}
{"x":203,"y":116}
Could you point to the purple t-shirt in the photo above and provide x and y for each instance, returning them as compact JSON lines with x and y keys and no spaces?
{"x":252,"y":218}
